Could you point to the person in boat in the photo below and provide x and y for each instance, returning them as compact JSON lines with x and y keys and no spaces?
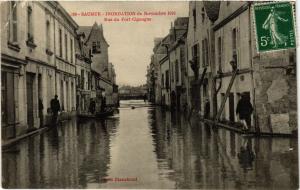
{"x":55,"y":107}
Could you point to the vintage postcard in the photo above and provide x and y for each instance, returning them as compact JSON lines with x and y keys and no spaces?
{"x":149,"y":95}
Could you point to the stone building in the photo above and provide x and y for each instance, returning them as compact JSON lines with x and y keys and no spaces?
{"x":269,"y":79}
{"x":159,"y":51}
{"x":177,"y":52}
{"x":83,"y":73}
{"x":102,"y":73}
{"x":37,"y":62}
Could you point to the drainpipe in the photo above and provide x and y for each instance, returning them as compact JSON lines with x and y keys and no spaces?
{"x":251,"y":70}
{"x":55,"y":50}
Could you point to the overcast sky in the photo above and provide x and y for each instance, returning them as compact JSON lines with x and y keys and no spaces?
{"x":131,"y":43}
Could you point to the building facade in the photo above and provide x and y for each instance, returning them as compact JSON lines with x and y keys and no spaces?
{"x":103,"y":74}
{"x":36,"y":54}
{"x":83,"y":74}
{"x":222,"y":64}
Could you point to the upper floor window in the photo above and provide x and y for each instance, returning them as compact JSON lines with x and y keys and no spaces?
{"x":60,"y":42}
{"x":194,"y":17}
{"x":195,"y":54}
{"x":167,"y":79}
{"x":29,"y":24}
{"x":66,"y":46}
{"x":234,"y":41}
{"x":48,"y":35}
{"x":205,"y":52}
{"x":219,"y":46}
{"x":203,"y":14}
{"x":96,"y":47}
{"x":176,"y":71}
{"x":13,"y":22}
{"x":71,"y":48}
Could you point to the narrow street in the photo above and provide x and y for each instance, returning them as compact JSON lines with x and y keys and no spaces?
{"x":147,"y":147}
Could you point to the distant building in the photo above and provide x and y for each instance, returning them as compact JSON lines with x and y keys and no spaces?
{"x":83,"y":74}
{"x":177,"y":51}
{"x":103,"y":77}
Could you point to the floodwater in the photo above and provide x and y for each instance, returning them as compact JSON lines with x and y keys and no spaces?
{"x":147,"y":147}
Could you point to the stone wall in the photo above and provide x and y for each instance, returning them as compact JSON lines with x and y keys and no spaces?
{"x":275,"y":93}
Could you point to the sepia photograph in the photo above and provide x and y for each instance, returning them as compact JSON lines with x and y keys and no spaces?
{"x":149,"y":95}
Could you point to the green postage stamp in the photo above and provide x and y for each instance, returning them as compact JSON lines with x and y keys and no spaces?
{"x":274,"y":23}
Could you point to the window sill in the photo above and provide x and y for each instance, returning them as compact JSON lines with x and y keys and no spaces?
{"x":49,"y":52}
{"x":30,"y":44}
{"x":14,"y":46}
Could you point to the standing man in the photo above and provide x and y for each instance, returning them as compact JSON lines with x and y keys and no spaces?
{"x":55,"y":107}
{"x":244,"y":109}
{"x":41,"y":107}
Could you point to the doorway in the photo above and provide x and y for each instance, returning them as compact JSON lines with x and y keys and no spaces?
{"x":29,"y":92}
{"x":231,"y":107}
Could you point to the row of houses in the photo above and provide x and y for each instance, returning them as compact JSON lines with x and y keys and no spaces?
{"x":44,"y":52}
{"x":211,"y":56}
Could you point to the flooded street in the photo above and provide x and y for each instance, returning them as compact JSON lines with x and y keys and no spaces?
{"x":147,"y":147}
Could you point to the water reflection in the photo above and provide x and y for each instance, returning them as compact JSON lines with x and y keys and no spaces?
{"x":159,"y":149}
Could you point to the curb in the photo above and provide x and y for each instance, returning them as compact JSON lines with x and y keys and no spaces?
{"x":19,"y":138}
{"x":248,"y":134}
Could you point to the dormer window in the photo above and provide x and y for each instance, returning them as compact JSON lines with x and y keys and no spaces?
{"x":96,"y":47}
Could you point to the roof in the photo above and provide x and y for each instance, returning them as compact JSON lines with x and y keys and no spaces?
{"x":212,"y":9}
{"x":87,"y":30}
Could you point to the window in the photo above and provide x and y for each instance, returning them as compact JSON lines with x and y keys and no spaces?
{"x":194,"y":17}
{"x":82,"y":79}
{"x":60,"y":43}
{"x":176,"y":71}
{"x":89,"y":80}
{"x":195,"y":53}
{"x":234,"y":41}
{"x":167,"y":79}
{"x":98,"y":45}
{"x":48,"y":35}
{"x":3,"y":97}
{"x":94,"y":47}
{"x":162,"y":80}
{"x":29,"y":24}
{"x":205,"y":52}
{"x":203,"y":14}
{"x":71,"y":48}
{"x":13,"y":22}
{"x":220,"y":53}
{"x":66,"y":46}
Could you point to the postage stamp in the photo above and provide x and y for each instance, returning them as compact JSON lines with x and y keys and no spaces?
{"x":274,"y":24}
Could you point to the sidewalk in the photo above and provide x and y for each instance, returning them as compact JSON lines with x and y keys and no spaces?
{"x":10,"y":142}
{"x":246,"y":133}
{"x":63,"y":117}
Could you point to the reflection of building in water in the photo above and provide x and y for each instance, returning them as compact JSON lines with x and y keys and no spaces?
{"x":94,"y":154}
{"x":195,"y":156}
{"x":70,"y":156}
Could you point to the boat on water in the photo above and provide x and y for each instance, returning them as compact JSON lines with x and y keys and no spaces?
{"x":106,"y":113}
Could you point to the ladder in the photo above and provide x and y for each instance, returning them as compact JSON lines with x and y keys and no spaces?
{"x":226,"y":96}
{"x":200,"y":83}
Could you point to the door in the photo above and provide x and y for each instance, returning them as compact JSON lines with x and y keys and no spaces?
{"x":231,"y":107}
{"x":29,"y":86}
